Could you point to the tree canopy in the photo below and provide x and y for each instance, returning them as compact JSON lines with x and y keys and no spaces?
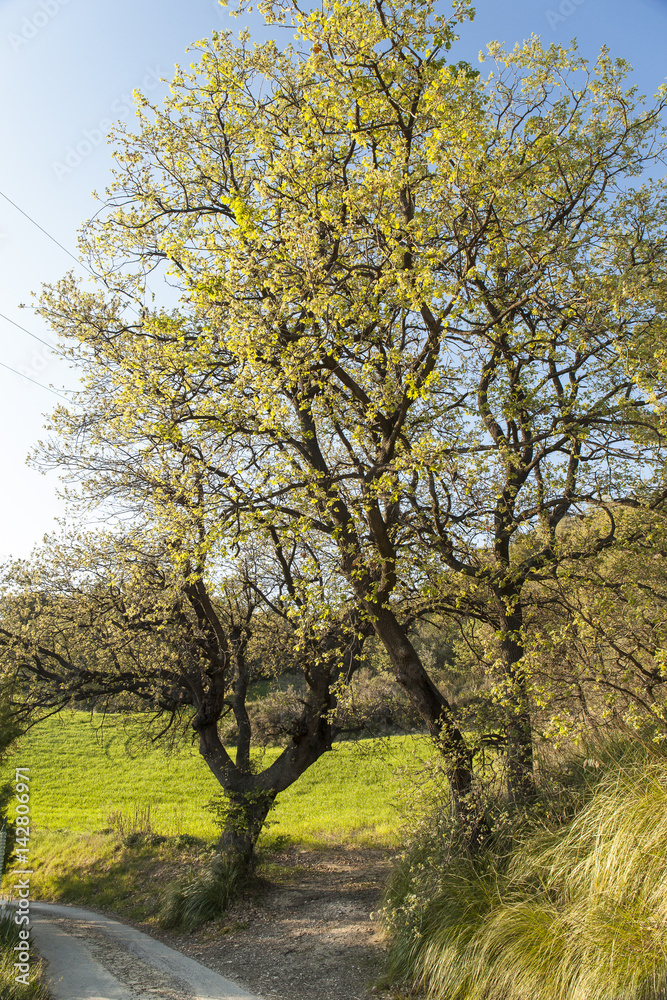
{"x":407,"y":292}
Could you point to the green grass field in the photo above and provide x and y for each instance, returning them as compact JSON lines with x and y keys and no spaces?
{"x":81,"y":773}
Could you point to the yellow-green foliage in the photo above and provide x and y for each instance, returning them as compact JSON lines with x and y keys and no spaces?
{"x":82,"y":775}
{"x":576,"y":914}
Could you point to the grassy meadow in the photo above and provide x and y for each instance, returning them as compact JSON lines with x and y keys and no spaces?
{"x":88,"y":775}
{"x":97,"y":781}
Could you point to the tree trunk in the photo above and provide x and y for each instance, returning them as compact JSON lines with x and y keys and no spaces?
{"x":520,"y":776}
{"x":243,"y":824}
{"x":250,"y":795}
{"x":433,"y":707}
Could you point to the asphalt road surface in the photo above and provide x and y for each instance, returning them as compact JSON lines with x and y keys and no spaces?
{"x":92,"y":957}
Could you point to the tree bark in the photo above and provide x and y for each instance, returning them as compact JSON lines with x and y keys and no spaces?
{"x":243,"y":824}
{"x":520,"y":774}
{"x":433,"y":707}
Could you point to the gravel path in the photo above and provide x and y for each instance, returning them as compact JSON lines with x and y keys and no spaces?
{"x":93,"y":957}
{"x":309,"y":934}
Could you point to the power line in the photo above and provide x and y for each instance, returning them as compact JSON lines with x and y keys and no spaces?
{"x":65,"y":250}
{"x":22,"y":328}
{"x":33,"y":335}
{"x":47,"y":234}
{"x":35,"y":382}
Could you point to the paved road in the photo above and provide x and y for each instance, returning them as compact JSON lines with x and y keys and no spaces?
{"x":92,"y":957}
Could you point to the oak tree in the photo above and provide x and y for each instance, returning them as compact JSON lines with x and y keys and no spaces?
{"x":103,"y":622}
{"x":405,"y":290}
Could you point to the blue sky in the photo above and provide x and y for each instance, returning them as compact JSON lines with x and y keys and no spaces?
{"x":67,"y":68}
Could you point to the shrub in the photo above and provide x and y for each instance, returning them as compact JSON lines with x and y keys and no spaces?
{"x":372,"y":704}
{"x":375,"y":705}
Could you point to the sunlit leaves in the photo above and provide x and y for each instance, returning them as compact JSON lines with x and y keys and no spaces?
{"x":410,"y":300}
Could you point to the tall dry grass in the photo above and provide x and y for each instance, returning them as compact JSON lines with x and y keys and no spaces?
{"x":575,"y":913}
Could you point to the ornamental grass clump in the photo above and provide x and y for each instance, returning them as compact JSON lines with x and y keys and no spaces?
{"x":576,"y":913}
{"x":206,"y":894}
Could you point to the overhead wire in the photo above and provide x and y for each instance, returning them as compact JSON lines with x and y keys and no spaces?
{"x":47,"y":234}
{"x":33,"y":335}
{"x":18,"y":325}
{"x":22,"y":374}
{"x":35,"y":382}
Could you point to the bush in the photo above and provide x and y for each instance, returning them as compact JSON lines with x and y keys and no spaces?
{"x":274,"y":712}
{"x":372,"y":704}
{"x":375,"y":705}
{"x":578,"y":912}
{"x":275,"y":718}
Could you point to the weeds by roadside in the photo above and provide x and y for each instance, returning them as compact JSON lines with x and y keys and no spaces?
{"x":35,"y":988}
{"x":120,"y":875}
{"x":136,"y":823}
{"x":205,"y":895}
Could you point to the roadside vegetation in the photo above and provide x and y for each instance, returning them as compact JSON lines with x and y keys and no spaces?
{"x":566,"y":901}
{"x":35,"y":988}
